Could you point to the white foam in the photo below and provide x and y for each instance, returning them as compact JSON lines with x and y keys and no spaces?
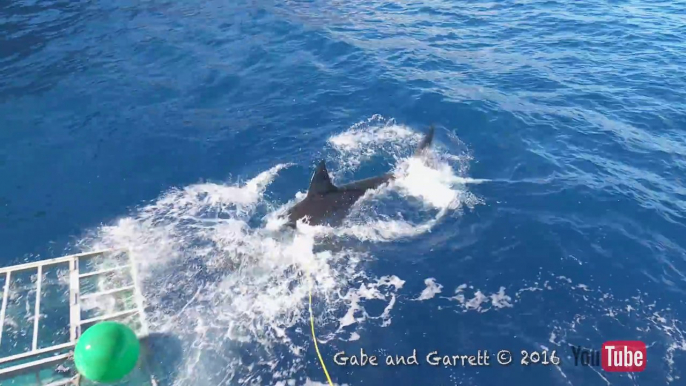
{"x":225,"y":287}
{"x":432,"y":289}
{"x":380,"y":230}
{"x":366,"y":139}
{"x":383,"y":289}
{"x":309,"y":382}
{"x":500,"y":300}
{"x":583,"y":287}
{"x":238,"y":285}
{"x":433,"y":184}
{"x":480,"y":300}
{"x":358,"y":139}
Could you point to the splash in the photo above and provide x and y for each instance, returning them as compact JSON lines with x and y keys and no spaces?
{"x":435,"y":184}
{"x":369,"y":138}
{"x":432,"y":289}
{"x":234,"y":293}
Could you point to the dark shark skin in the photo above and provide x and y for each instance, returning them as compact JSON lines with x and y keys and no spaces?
{"x":327,"y":203}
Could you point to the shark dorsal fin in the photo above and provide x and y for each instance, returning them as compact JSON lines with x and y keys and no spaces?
{"x":321,"y":182}
{"x":426,"y":142}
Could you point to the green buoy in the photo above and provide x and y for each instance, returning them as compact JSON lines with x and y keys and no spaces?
{"x":106,"y":352}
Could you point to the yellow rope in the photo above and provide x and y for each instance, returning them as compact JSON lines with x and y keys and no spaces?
{"x":314,"y":337}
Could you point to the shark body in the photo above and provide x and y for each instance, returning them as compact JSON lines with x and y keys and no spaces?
{"x":327,"y":203}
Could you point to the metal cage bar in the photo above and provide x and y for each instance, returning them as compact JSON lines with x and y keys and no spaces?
{"x":36,"y":352}
{"x":33,"y":366}
{"x":113,"y":315}
{"x":58,"y":260}
{"x":74,"y":303}
{"x":108,"y":292}
{"x":102,"y":271}
{"x":138,"y":296}
{"x":75,"y":321}
{"x":71,"y":381}
{"x":36,"y":316}
{"x":5,"y":296}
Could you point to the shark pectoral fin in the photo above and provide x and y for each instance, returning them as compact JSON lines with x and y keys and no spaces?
{"x":321,"y":182}
{"x":426,"y":141}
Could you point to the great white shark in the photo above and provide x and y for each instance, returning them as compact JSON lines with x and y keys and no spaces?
{"x":327,"y":203}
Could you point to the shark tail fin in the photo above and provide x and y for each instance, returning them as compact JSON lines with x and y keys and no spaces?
{"x":426,"y":142}
{"x":321,"y":182}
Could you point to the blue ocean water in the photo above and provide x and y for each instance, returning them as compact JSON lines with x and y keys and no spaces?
{"x":552,"y":215}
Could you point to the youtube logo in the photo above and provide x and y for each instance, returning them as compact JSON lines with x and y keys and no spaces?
{"x":624,"y":356}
